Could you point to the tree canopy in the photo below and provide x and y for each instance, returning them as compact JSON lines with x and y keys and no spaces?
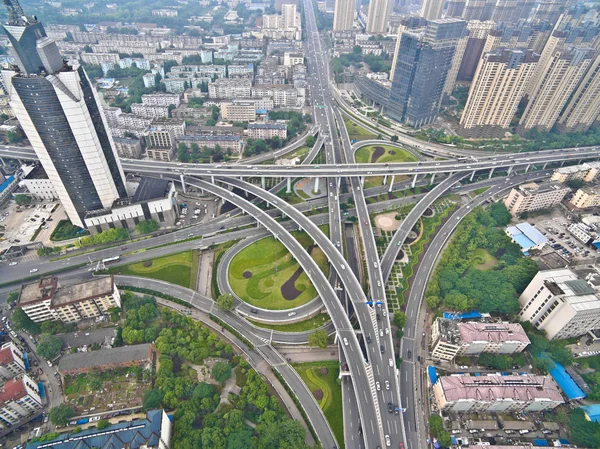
{"x":20,"y":321}
{"x":48,"y":346}
{"x":226,"y":301}
{"x":221,"y":371}
{"x":147,"y":226}
{"x":61,"y":414}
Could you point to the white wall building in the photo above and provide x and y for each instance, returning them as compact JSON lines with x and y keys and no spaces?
{"x":19,"y":398}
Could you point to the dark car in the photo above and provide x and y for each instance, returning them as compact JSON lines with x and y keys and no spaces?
{"x":382,"y":348}
{"x":378,"y":317}
{"x":254,"y":310}
{"x":390,"y":407}
{"x":369,"y":338}
{"x":409,"y":354}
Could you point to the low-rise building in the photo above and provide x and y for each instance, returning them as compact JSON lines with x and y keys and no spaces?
{"x":161,"y":99}
{"x":19,"y":399}
{"x":152,"y":432}
{"x":581,"y":232}
{"x":526,"y":236}
{"x":12,"y":361}
{"x":177,"y":126}
{"x":564,"y":174}
{"x":588,"y":196}
{"x":291,"y":59}
{"x":128,"y":147}
{"x":164,"y":12}
{"x":561,"y":304}
{"x":496,"y":394}
{"x":46,"y":300}
{"x":230,"y":88}
{"x":36,"y":183}
{"x":106,"y":359}
{"x":150,"y":111}
{"x":267,"y":130}
{"x":451,"y":338}
{"x":233,"y":143}
{"x":150,"y":199}
{"x":239,"y":111}
{"x":535,"y":196}
{"x":160,"y":145}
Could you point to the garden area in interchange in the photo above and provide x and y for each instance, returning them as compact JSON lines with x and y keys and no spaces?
{"x":266,"y":275}
{"x":382,"y":154}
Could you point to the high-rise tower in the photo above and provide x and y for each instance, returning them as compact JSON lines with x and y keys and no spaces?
{"x":343,"y":15}
{"x":432,"y":9}
{"x":378,"y":15}
{"x":59,"y":112}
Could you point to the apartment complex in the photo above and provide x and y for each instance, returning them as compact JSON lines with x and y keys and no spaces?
{"x":378,"y":16}
{"x":150,"y":111}
{"x":587,"y":172}
{"x":128,"y":148}
{"x":499,"y":84}
{"x":224,"y":142}
{"x":160,"y":145}
{"x":585,"y":197}
{"x":161,"y":99}
{"x":343,"y":15}
{"x":267,"y":130}
{"x":229,"y":88}
{"x":561,"y":304}
{"x":19,"y":399}
{"x":451,"y":338}
{"x":496,"y":394}
{"x":535,"y":196}
{"x":46,"y":300}
{"x":432,"y":9}
{"x":239,"y":111}
{"x":12,"y":361}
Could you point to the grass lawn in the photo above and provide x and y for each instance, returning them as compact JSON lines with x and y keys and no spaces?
{"x":176,"y":268}
{"x":484,"y":261}
{"x":300,"y":153}
{"x":258,"y":272}
{"x":301,"y":326}
{"x":357,"y":132}
{"x":480,"y":190}
{"x":328,"y":384}
{"x":364,"y":155}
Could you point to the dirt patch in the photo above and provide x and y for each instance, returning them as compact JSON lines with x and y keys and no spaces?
{"x":377,"y":153}
{"x":387,"y":222}
{"x":400,"y":255}
{"x":324,"y":371}
{"x":288,"y":289}
{"x":148,"y":264}
{"x":247,"y":274}
{"x":318,"y":394}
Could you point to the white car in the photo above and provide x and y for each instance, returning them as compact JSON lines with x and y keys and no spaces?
{"x":292,"y":314}
{"x":391,"y":363}
{"x":33,"y":270}
{"x":94,"y":418}
{"x":387,"y":384}
{"x":378,"y":386}
{"x":345,"y":341}
{"x":388,"y":442}
{"x":12,"y":264}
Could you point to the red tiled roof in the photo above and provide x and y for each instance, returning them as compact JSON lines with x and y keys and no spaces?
{"x":6,"y":356}
{"x":12,"y":390}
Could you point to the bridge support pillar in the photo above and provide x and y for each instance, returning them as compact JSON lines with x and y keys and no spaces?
{"x":289,"y":185}
{"x":246,"y":192}
{"x":2,"y":162}
{"x":262,"y":182}
{"x":414,"y":181}
{"x":579,"y":162}
{"x":544,"y":167}
{"x":339,"y":184}
{"x":392,"y":183}
{"x":491,"y":173}
{"x":432,"y":178}
{"x":384,"y":180}
{"x":182,"y":183}
{"x":510,"y":169}
{"x":362,"y":182}
{"x":472,"y":176}
{"x":316,"y":185}
{"x":527,"y":168}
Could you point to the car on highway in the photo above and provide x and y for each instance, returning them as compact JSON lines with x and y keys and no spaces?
{"x":345,"y":341}
{"x":388,"y":442}
{"x":94,"y":418}
{"x":253,"y":310}
{"x":382,"y":349}
{"x":387,"y":384}
{"x":381,"y":332}
{"x":12,"y":264}
{"x":391,"y":363}
{"x":292,"y":314}
{"x":33,"y":270}
{"x":409,"y":355}
{"x":390,"y":407}
{"x":378,"y":386}
{"x":369,"y":338}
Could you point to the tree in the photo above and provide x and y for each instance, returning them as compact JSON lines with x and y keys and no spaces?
{"x":318,"y":338}
{"x":152,"y":399}
{"x":500,"y":214}
{"x":575,"y":184}
{"x":310,"y":141}
{"x":394,"y":138}
{"x":103,"y":424}
{"x":48,"y":346}
{"x":203,"y":391}
{"x":495,"y":361}
{"x":147,"y":227}
{"x":399,"y":318}
{"x":13,"y":137}
{"x":221,"y":371}
{"x":225,"y":301}
{"x":182,"y":153}
{"x":61,"y":414}
{"x":12,"y":297}
{"x":20,"y":321}
{"x":22,"y":200}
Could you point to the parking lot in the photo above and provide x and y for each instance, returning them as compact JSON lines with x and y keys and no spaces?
{"x":561,"y":240}
{"x":196,"y":210}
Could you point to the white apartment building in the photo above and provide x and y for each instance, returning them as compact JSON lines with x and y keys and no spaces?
{"x":176,"y":85}
{"x":283,"y":95}
{"x":149,"y":80}
{"x":533,"y":196}
{"x":451,"y":338}
{"x":240,"y":71}
{"x":19,"y":398}
{"x":564,"y":174}
{"x":230,"y":88}
{"x":46,"y":300}
{"x":586,"y":197}
{"x":164,"y":12}
{"x":558,"y":302}
{"x":100,"y":58}
{"x":581,"y":232}
{"x":148,"y":111}
{"x":239,"y":111}
{"x":496,"y":394}
{"x":12,"y":361}
{"x":292,"y":59}
{"x":35,"y":181}
{"x":271,"y":21}
{"x":267,"y":130}
{"x":161,"y":99}
{"x":177,"y":126}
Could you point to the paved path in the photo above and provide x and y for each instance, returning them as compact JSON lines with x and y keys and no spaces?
{"x":205,"y":269}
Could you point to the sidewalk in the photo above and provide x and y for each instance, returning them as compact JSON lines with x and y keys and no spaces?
{"x":262,"y":367}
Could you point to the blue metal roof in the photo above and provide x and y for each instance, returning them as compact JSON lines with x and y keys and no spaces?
{"x":523,"y":241}
{"x":8,"y":181}
{"x":540,"y":442}
{"x":592,"y":412}
{"x":462,"y":316}
{"x":532,"y":233}
{"x":565,"y":382}
{"x":432,"y":374}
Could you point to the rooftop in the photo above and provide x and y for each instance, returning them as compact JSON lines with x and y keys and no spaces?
{"x":526,"y":235}
{"x":492,"y":332}
{"x":492,"y":388}
{"x":138,"y":433}
{"x":267,"y":126}
{"x":559,"y":282}
{"x":591,"y":190}
{"x":12,"y":390}
{"x":102,"y":357}
{"x":534,"y":188}
{"x":47,"y":288}
{"x":592,"y":412}
{"x":6,"y":354}
{"x":209,"y":138}
{"x":38,"y":172}
{"x":42,"y":290}
{"x":572,"y":169}
{"x":150,"y":189}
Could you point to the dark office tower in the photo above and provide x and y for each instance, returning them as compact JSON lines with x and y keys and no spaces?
{"x":422,"y":64}
{"x":456,"y":8}
{"x":59,"y":111}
